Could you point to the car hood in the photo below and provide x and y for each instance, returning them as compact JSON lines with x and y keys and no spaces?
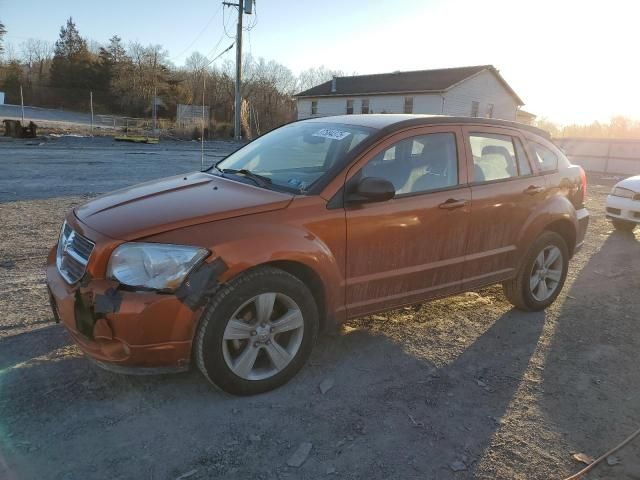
{"x":175,"y":202}
{"x":631,"y":183}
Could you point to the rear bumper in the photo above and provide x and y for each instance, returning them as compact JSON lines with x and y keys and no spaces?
{"x":145,"y":331}
{"x":621,"y":208}
{"x":582,"y":216}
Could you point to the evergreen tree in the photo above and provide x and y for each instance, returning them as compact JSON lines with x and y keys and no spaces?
{"x":3,"y":32}
{"x":72,"y":65}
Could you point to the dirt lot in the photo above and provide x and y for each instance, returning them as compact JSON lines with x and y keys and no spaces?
{"x":465,"y":383}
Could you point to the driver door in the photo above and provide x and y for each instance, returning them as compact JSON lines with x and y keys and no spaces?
{"x":412,"y":247}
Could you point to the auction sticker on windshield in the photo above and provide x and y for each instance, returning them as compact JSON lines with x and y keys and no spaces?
{"x":331,"y":133}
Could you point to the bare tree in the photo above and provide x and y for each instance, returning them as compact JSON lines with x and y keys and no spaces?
{"x":37,"y":56}
{"x":315,"y":76}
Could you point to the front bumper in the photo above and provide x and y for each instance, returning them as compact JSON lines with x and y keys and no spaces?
{"x":123,"y":330}
{"x":623,"y":208}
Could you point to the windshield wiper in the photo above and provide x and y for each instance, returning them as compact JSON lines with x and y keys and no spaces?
{"x":259,"y":180}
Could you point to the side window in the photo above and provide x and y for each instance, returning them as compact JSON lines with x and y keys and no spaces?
{"x":418,"y":164}
{"x":314,"y":107}
{"x":365,"y":105}
{"x":349,"y":107}
{"x":494,"y":157}
{"x":547,"y":160}
{"x":490,"y":110}
{"x":523,"y":162}
{"x":408,"y":104}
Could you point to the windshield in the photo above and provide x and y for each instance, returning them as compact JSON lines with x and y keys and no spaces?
{"x":297,"y":155}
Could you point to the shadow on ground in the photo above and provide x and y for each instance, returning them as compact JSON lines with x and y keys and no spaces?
{"x":591,"y":374}
{"x":391,"y":414}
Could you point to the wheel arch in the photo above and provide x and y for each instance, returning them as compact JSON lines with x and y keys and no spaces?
{"x":557,"y":215}
{"x":566,"y":230}
{"x":309,"y":277}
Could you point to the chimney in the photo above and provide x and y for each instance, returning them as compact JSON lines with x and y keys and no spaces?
{"x":333,"y":84}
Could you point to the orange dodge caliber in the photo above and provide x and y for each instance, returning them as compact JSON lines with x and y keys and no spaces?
{"x":237,"y":268}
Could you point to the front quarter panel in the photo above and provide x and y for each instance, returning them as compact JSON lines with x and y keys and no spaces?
{"x":305,"y":232}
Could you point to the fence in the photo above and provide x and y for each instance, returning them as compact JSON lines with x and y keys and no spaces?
{"x":603,"y":155}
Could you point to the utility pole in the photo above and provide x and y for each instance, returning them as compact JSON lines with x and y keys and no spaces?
{"x":244,"y":6}
{"x":91,"y":102}
{"x":237,"y":129}
{"x":154,"y":107}
{"x":22,"y":104}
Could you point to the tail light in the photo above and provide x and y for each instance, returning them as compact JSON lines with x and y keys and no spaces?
{"x":583,"y":179}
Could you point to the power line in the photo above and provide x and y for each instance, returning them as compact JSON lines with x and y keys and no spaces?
{"x":250,"y":27}
{"x":224,"y":24}
{"x":219,"y":55}
{"x":213,"y":17}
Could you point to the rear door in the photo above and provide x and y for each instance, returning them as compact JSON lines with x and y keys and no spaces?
{"x":505,"y":192}
{"x":411,"y":247}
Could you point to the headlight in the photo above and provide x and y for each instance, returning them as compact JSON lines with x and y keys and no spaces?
{"x":622,"y":192}
{"x":153,"y":265}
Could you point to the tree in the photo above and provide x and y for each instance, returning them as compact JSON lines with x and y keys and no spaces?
{"x":3,"y":32}
{"x":113,"y":64}
{"x":12,"y":74}
{"x":315,"y":76}
{"x":72,"y":65}
{"x":36,"y":54}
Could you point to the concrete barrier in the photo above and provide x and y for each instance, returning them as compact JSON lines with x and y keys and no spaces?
{"x":603,"y":155}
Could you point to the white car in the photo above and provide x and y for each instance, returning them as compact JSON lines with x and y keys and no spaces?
{"x":623,"y":204}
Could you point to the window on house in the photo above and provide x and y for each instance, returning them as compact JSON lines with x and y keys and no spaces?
{"x":547,"y":160}
{"x":314,"y":107}
{"x":365,"y":105}
{"x":418,"y":164}
{"x":475,"y":108}
{"x":490,"y":110}
{"x":408,"y":104}
{"x":349,"y":107}
{"x":494,"y":157}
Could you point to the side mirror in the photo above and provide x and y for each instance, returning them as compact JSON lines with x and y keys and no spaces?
{"x":371,"y":189}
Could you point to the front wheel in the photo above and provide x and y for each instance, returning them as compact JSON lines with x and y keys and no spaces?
{"x":623,"y":225}
{"x":542,"y":274}
{"x":257,"y":332}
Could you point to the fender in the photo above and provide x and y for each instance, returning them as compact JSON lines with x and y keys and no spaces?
{"x":282,"y":236}
{"x":554,"y":209}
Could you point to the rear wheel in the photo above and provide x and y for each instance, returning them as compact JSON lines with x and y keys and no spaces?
{"x":623,"y":225}
{"x":542,"y":274}
{"x":257,"y":332}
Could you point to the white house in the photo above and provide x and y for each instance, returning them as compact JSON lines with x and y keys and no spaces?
{"x":478,"y":91}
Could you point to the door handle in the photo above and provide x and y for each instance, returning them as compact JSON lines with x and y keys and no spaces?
{"x":533,"y":189}
{"x":452,"y":203}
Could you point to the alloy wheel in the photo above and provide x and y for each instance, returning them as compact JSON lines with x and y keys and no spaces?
{"x":263,"y":336}
{"x":546,"y":273}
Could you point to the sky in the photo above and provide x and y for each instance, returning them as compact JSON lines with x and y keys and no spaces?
{"x":569,"y":60}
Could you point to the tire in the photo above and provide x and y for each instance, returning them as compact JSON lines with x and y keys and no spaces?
{"x":623,"y":225}
{"x":220,"y":345}
{"x":520,"y":291}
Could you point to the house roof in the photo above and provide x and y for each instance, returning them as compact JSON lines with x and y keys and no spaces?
{"x":419,"y":81}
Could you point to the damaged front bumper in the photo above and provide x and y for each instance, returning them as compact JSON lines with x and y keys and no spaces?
{"x":131,"y":331}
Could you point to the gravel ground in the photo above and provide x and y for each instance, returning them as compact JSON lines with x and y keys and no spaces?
{"x":464,"y":387}
{"x":54,"y":167}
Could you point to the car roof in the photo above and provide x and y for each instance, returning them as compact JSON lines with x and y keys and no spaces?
{"x":396,"y":121}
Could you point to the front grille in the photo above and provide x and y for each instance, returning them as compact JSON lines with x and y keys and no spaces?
{"x":615,"y":211}
{"x":73,"y":254}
